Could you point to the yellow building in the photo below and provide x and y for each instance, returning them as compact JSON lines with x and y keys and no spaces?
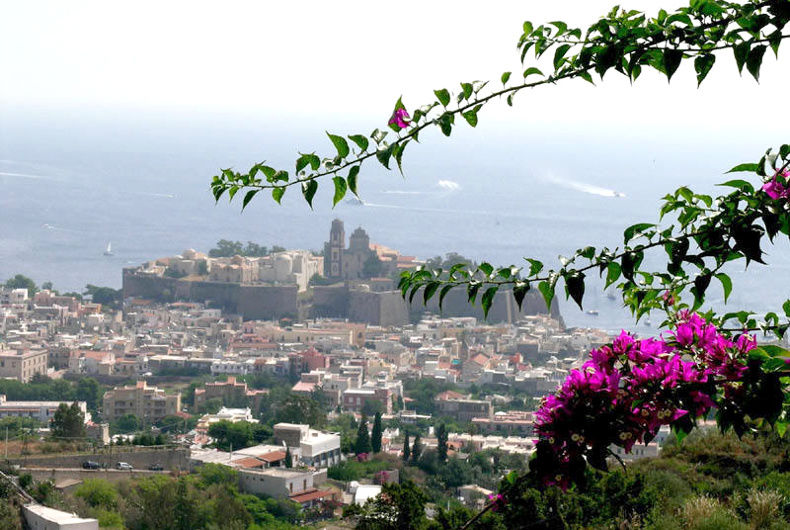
{"x":22,"y":364}
{"x":146,"y":402}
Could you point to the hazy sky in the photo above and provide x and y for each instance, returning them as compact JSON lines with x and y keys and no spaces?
{"x":340,"y":60}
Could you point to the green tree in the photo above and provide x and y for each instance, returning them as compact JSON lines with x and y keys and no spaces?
{"x":289,"y":459}
{"x":416,"y":449}
{"x":9,"y":515}
{"x":226,"y":249}
{"x":398,"y":507}
{"x":106,"y":296}
{"x":127,"y":423}
{"x":98,"y":493}
{"x":375,"y":437}
{"x":89,"y":391}
{"x":68,"y":422}
{"x":362,"y":445}
{"x":22,"y":282}
{"x":294,"y":408}
{"x":231,"y":435}
{"x":373,"y":267}
{"x":441,"y":438}
{"x":406,"y":450}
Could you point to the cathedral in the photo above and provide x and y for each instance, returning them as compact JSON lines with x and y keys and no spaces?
{"x":358,"y":261}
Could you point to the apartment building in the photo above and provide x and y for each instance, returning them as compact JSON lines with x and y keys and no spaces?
{"x":22,"y":365}
{"x":146,"y":402}
{"x":231,"y":392}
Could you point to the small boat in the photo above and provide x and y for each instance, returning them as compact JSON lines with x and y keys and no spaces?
{"x":610,"y":295}
{"x":593,"y":312}
{"x":354,"y":201}
{"x":108,"y":252}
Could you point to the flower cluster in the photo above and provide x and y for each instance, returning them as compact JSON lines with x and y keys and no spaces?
{"x":400,"y":118}
{"x":776,"y":188}
{"x":627,"y":390}
{"x":497,"y":500}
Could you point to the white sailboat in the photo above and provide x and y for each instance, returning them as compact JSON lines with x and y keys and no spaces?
{"x":108,"y":252}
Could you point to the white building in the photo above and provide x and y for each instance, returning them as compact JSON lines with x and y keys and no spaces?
{"x":39,"y":517}
{"x":314,"y":448}
{"x":225,"y":414}
{"x":275,"y":482}
{"x":12,"y":296}
{"x":233,"y":367}
{"x":42,"y":411}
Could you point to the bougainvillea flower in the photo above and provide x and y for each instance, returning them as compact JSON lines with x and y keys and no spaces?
{"x":400,"y":118}
{"x":775,"y":189}
{"x":627,"y":390}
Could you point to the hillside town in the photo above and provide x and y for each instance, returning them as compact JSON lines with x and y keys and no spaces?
{"x":281,"y":401}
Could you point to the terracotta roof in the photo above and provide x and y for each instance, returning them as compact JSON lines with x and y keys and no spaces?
{"x":303,"y":386}
{"x":449,"y":394}
{"x":311,"y":495}
{"x":248,"y":462}
{"x":274,"y":456}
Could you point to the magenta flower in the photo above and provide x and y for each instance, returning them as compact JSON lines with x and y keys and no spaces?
{"x":400,"y":118}
{"x":775,"y":189}
{"x":627,"y":390}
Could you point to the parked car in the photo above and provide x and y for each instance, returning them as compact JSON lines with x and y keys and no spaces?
{"x":90,"y":464}
{"x":156,"y":467}
{"x":124,"y":466}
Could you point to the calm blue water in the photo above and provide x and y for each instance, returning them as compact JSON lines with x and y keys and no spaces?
{"x":71,"y":183}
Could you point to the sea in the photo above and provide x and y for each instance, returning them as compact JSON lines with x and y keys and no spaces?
{"x":73,"y":182}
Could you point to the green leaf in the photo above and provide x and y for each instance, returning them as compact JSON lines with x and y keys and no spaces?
{"x":471,"y":117}
{"x":672,"y":60}
{"x":575,"y":286}
{"x":535,"y":266}
{"x":340,"y":190}
{"x":786,"y":308}
{"x":277,"y":194}
{"x":443,"y":293}
{"x":308,"y":190}
{"x":443,"y":95}
{"x":754,"y":60}
{"x":559,"y":55}
{"x":430,"y":289}
{"x":352,"y":179}
{"x":532,"y":70}
{"x":466,"y":91}
{"x":742,"y":185}
{"x":612,"y":273}
{"x":488,"y":299}
{"x":304,"y":160}
{"x":340,"y":144}
{"x":383,"y":155}
{"x":741,"y":52}
{"x":378,"y":136}
{"x":726,"y":284}
{"x":361,"y":141}
{"x":519,"y":292}
{"x":781,"y":428}
{"x":547,"y":290}
{"x":505,"y":78}
{"x":248,"y":197}
{"x":471,"y":291}
{"x":486,"y":268}
{"x":633,"y":230}
{"x":702,"y":65}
